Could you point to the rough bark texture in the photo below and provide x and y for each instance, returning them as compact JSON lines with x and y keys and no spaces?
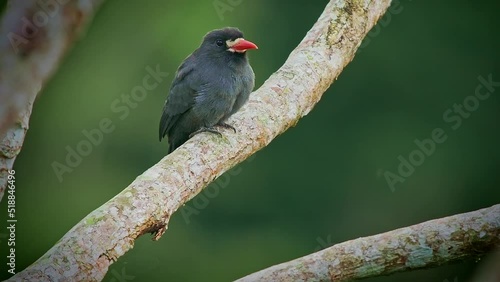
{"x":34,"y":36}
{"x":146,"y":205}
{"x":424,"y":245}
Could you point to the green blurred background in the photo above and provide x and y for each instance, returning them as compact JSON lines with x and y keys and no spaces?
{"x":320,"y":183}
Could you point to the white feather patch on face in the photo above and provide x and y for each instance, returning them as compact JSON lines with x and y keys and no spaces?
{"x":230,"y":43}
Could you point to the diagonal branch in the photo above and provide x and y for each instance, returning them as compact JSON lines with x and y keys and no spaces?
{"x":34,"y":36}
{"x":146,"y":205}
{"x":424,"y":245}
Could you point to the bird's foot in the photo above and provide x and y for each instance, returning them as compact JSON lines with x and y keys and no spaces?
{"x":225,"y":125}
{"x":206,"y":129}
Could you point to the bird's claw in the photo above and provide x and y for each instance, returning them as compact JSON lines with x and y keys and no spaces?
{"x":225,"y":125}
{"x":206,"y":129}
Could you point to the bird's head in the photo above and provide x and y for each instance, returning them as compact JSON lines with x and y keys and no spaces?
{"x":229,"y":39}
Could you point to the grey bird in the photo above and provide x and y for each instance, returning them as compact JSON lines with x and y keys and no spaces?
{"x":210,"y":85}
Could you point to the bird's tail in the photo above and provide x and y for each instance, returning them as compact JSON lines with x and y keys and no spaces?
{"x":163,"y":124}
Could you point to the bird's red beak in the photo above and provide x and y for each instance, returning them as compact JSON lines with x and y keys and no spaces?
{"x":242,"y":45}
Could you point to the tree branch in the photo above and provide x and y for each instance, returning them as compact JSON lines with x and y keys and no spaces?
{"x":34,"y":36}
{"x":146,"y":205}
{"x":424,"y":245}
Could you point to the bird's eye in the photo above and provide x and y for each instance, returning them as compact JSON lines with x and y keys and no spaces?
{"x":219,"y":42}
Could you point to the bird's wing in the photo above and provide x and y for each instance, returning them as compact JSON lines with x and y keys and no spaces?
{"x":181,"y":97}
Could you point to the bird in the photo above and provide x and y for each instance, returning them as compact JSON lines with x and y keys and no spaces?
{"x":210,"y":85}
